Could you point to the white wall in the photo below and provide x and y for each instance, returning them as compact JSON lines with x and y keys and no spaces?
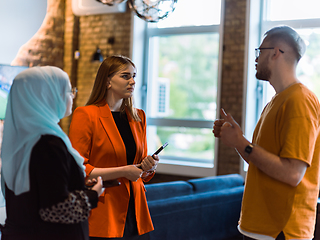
{"x":19,"y":21}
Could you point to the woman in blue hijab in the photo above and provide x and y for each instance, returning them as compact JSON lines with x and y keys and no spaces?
{"x":42,"y":174}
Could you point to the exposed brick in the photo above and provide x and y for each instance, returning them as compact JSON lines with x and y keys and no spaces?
{"x":232,"y":77}
{"x":62,"y":33}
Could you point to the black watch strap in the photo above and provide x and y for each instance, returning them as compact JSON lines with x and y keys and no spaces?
{"x":248,"y":149}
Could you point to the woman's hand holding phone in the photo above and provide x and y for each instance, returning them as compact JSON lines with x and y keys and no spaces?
{"x":98,"y":186}
{"x":150,"y":163}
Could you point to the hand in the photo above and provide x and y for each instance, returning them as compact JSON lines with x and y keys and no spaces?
{"x":98,"y":185}
{"x":91,"y":182}
{"x":149,"y":163}
{"x":132,"y":172}
{"x":230,"y":132}
{"x":146,"y":174}
{"x":217,"y":127}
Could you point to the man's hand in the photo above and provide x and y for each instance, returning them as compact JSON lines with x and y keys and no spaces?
{"x":228,"y":130}
{"x":217,"y":127}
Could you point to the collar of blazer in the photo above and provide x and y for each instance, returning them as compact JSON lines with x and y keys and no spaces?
{"x":105,"y":112}
{"x":113,"y":134}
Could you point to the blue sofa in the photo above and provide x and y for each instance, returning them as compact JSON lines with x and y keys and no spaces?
{"x":203,"y":208}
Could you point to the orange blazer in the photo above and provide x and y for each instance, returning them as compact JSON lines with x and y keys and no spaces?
{"x":95,"y":135}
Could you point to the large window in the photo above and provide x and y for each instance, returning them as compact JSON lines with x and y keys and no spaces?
{"x":181,"y":82}
{"x":304,"y":17}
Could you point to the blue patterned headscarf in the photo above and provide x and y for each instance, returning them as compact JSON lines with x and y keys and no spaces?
{"x":36,"y":103}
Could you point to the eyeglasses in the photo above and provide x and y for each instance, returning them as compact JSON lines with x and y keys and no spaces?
{"x":258,"y":51}
{"x":74,"y":91}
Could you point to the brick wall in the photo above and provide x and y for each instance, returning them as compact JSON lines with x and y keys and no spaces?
{"x":71,"y":44}
{"x":46,"y":46}
{"x":232,"y":76}
{"x":111,"y":33}
{"x":63,"y":34}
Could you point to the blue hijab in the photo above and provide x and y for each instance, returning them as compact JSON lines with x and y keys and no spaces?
{"x":36,"y":103}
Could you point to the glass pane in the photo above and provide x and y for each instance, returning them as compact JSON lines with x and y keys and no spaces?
{"x":278,"y":10}
{"x":183,"y":79}
{"x":184,"y":143}
{"x":308,"y":71}
{"x":192,"y":13}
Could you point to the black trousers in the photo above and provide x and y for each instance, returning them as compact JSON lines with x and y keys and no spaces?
{"x":280,"y":237}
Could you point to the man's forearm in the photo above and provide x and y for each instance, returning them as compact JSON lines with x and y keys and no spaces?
{"x":290,"y":171}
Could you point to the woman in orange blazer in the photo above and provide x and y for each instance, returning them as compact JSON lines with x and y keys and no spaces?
{"x":111,"y":136}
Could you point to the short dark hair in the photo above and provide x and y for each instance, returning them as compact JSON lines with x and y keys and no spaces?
{"x":289,"y":36}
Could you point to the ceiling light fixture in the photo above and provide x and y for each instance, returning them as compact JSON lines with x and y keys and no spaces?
{"x":148,"y":10}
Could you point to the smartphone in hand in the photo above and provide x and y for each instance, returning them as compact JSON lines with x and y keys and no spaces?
{"x":105,"y":184}
{"x":160,"y":149}
{"x":156,"y":152}
{"x":110,"y":183}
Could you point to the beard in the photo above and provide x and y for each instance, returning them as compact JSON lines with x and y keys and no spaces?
{"x":263,"y":74}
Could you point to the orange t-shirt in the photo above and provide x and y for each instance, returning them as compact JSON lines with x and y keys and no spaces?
{"x":289,"y":128}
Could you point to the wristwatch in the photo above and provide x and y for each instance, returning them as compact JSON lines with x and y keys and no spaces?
{"x":248,"y":150}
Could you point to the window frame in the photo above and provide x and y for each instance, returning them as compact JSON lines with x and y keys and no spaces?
{"x":141,"y":44}
{"x":294,"y":23}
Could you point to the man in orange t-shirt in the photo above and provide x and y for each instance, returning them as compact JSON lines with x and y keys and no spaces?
{"x":282,"y":183}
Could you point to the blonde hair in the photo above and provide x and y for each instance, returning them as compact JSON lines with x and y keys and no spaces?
{"x":110,"y":66}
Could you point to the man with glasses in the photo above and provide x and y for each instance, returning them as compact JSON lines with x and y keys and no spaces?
{"x":282,"y":182}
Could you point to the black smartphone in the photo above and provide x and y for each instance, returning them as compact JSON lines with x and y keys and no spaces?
{"x":157,"y":152}
{"x":106,"y":183}
{"x":160,"y":149}
{"x":110,"y":183}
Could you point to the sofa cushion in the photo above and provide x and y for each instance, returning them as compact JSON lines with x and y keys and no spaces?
{"x":166,"y":190}
{"x":208,"y":215}
{"x":216,"y":182}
